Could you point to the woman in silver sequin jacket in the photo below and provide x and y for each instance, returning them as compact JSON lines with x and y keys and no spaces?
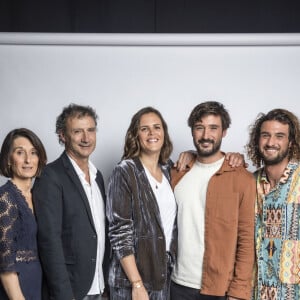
{"x":141,"y":210}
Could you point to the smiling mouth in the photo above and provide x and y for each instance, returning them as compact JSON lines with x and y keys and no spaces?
{"x":271,"y":150}
{"x":205,"y":144}
{"x":205,"y":141}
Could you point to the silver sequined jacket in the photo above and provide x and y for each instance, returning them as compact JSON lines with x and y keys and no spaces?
{"x":135,"y":226}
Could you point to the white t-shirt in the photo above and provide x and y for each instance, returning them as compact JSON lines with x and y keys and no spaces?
{"x":190,"y":194}
{"x":166,"y":203}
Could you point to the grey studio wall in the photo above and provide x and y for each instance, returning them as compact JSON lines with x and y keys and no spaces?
{"x":118,"y":74}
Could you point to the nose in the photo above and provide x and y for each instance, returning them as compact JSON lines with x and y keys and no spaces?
{"x":271,"y":140}
{"x":27,"y":157}
{"x":205,"y":133}
{"x":150,"y":131}
{"x":85,"y":137}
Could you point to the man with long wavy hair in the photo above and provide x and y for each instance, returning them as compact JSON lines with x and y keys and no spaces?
{"x":274,"y":147}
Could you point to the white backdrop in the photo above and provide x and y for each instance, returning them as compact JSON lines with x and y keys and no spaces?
{"x":120,"y":73}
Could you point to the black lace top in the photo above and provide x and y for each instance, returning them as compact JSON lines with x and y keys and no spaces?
{"x":17,"y":229}
{"x":18,"y":244}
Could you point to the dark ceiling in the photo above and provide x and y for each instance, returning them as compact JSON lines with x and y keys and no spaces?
{"x":150,"y":16}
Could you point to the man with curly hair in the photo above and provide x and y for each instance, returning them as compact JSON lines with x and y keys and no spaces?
{"x":275,"y":144}
{"x":69,"y":200}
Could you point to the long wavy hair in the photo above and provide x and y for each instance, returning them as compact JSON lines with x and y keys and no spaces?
{"x":283,"y":116}
{"x":132,"y":147}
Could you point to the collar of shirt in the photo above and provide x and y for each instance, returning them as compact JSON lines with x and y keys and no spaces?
{"x":80,"y":173}
{"x":265,"y":182}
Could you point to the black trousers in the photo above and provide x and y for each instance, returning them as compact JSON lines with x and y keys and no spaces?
{"x":180,"y":292}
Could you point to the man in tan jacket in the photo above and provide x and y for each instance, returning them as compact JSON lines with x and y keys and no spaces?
{"x":215,"y":216}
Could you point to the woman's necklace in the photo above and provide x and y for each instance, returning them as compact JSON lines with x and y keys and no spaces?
{"x":153,"y":181}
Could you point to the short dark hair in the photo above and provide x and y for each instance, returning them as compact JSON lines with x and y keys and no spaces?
{"x":6,"y":150}
{"x":283,"y":116}
{"x":209,"y":108}
{"x":132,"y":147}
{"x":72,"y":111}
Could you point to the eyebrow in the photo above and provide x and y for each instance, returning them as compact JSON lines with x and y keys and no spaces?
{"x":80,"y":128}
{"x":201,"y":124}
{"x":18,"y":147}
{"x":22,"y":148}
{"x":268,"y":132}
{"x":151,"y":125}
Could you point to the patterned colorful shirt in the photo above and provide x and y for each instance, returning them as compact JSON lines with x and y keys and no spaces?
{"x":277,"y":234}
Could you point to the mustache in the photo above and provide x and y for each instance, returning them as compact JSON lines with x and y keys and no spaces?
{"x":202,"y":141}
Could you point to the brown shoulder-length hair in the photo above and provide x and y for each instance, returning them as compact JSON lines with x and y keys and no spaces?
{"x":283,"y":116}
{"x":7,"y":148}
{"x":132,"y":147}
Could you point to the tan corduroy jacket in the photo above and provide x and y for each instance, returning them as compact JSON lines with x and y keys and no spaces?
{"x":229,"y":232}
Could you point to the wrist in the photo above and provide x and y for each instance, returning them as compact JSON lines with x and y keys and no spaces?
{"x":137,"y":284}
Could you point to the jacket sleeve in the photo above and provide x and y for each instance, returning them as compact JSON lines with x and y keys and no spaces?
{"x":48,"y":204}
{"x":240,"y":286}
{"x":119,"y":212}
{"x":8,"y":227}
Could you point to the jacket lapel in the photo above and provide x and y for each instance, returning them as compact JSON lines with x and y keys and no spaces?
{"x":100,"y":182}
{"x":152,"y":202}
{"x":77,"y":183}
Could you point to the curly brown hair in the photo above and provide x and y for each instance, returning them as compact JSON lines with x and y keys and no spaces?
{"x":132,"y":147}
{"x":72,"y":111}
{"x":283,"y":116}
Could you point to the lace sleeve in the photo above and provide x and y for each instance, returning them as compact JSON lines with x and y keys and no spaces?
{"x":8,"y":216}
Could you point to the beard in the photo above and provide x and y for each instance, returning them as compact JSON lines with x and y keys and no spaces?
{"x":206,"y":152}
{"x":274,"y":160}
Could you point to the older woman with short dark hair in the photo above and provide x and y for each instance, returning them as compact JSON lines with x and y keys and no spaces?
{"x":21,"y":159}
